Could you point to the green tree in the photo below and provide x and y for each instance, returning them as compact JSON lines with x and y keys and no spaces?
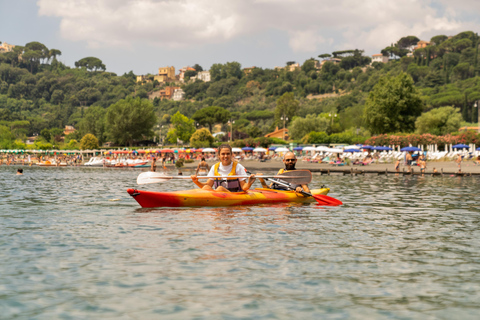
{"x":93,"y":122}
{"x":211,"y":115}
{"x":90,"y":63}
{"x":439,"y":121}
{"x":172,"y":136}
{"x":184,"y":127}
{"x":316,"y":137}
{"x":287,"y":107}
{"x":6,"y":137}
{"x":45,"y":134}
{"x":325,"y":55}
{"x":89,"y":142}
{"x":407,"y":42}
{"x":130,"y":119}
{"x":72,"y":144}
{"x":56,"y":134}
{"x":393,"y":105}
{"x":300,"y":127}
{"x":254,"y":131}
{"x":201,"y":138}
{"x":308,"y":65}
{"x":438,"y":39}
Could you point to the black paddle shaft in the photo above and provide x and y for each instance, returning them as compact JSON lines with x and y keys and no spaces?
{"x":285,"y":184}
{"x":289,"y":186}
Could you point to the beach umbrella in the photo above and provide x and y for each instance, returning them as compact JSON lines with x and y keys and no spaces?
{"x":298,"y":148}
{"x":322,"y":148}
{"x":167,"y":150}
{"x":382,"y":148}
{"x":259,"y":149}
{"x":209,"y":150}
{"x":247,"y":149}
{"x":478,"y":149}
{"x":282,"y":149}
{"x":334,"y":150}
{"x":409,"y":149}
{"x":461,"y":146}
{"x":236,"y":150}
{"x":272,"y":148}
{"x":352,"y":150}
{"x":366,"y":147}
{"x":309,"y":149}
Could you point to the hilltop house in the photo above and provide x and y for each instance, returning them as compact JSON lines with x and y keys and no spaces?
{"x":166,"y":74}
{"x":165,"y":93}
{"x":68,"y":130}
{"x":178,"y":94}
{"x":181,"y":74}
{"x":379,"y":58}
{"x":5,"y":47}
{"x":278,"y":133}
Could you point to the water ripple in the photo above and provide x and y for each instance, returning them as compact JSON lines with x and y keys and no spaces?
{"x":75,"y":245}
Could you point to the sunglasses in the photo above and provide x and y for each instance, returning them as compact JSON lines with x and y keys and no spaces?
{"x":290,"y":160}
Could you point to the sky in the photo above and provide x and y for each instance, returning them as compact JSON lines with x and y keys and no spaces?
{"x":143,"y":35}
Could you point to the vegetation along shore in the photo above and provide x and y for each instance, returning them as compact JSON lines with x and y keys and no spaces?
{"x":415,"y":92}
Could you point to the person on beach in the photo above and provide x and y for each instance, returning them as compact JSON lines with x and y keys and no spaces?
{"x":153,"y":168}
{"x":226,"y":167}
{"x":477,"y":161}
{"x":409,"y":160}
{"x":459,"y":162}
{"x":289,"y":161}
{"x":202,"y":168}
{"x":422,"y":163}
{"x":397,"y":166}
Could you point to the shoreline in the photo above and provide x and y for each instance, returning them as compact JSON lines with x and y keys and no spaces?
{"x":443,"y":167}
{"x":447,"y":167}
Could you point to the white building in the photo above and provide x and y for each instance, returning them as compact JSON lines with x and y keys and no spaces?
{"x":379,"y":58}
{"x":204,"y":76}
{"x":178,"y":94}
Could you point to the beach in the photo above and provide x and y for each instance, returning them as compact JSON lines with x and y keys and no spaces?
{"x":448,"y":167}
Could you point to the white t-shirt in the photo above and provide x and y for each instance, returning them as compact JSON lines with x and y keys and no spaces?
{"x":224,"y":171}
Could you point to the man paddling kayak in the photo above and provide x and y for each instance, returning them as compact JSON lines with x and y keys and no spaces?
{"x":289,"y":160}
{"x":226,"y":167}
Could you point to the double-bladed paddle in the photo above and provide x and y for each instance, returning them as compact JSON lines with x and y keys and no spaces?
{"x":294,"y":177}
{"x":321,"y":198}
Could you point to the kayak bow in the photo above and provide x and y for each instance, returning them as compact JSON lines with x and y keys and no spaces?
{"x":205,"y":198}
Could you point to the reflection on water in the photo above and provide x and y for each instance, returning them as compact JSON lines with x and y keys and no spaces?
{"x":400,"y":247}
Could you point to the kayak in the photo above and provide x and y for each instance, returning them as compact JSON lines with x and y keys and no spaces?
{"x":205,"y":198}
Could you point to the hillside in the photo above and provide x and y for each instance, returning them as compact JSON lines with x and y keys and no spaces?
{"x":38,"y":92}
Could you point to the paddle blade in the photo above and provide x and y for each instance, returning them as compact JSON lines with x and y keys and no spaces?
{"x":327,"y":200}
{"x":151,"y":177}
{"x":296,"y":176}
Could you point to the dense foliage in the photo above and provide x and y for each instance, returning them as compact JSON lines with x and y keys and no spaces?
{"x":38,"y":92}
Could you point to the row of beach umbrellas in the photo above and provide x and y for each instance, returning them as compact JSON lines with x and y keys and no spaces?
{"x":353,"y":148}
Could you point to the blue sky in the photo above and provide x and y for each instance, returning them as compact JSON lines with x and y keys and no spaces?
{"x":143,"y":35}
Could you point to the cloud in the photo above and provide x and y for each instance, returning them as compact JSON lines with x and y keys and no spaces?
{"x":309,"y":24}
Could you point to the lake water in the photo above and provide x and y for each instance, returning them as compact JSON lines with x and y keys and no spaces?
{"x":74,"y":245}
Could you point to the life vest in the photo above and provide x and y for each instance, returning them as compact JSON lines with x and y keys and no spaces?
{"x":231,"y":184}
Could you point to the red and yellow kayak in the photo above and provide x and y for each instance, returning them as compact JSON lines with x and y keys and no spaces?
{"x":204,"y":198}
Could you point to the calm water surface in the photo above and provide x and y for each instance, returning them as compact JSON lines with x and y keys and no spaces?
{"x":74,"y":245}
